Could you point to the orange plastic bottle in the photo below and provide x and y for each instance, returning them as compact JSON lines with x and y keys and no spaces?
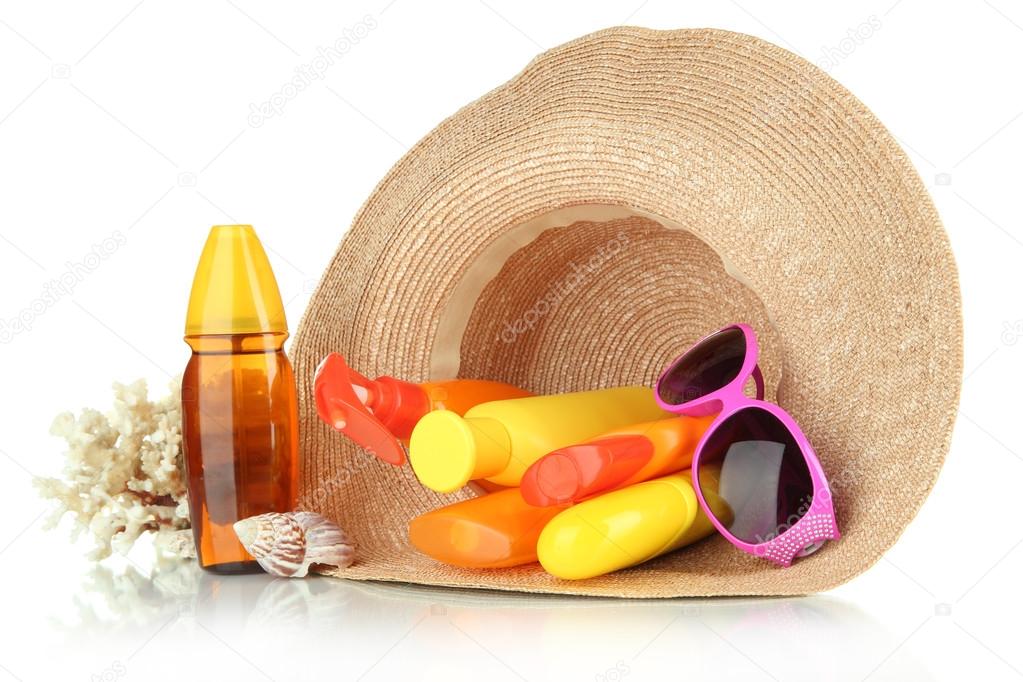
{"x":492,"y":531}
{"x":614,"y":460}
{"x":239,"y":407}
{"x":379,"y":414}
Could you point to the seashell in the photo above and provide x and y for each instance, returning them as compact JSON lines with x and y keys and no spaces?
{"x":288,"y":544}
{"x":178,"y":543}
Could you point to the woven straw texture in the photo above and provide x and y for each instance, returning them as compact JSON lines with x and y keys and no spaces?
{"x":584,"y":223}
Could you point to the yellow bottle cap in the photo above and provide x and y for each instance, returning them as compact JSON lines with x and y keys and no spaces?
{"x":234,"y":290}
{"x":447,"y":451}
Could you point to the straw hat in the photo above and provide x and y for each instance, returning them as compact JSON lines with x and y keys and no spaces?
{"x":581,"y":225}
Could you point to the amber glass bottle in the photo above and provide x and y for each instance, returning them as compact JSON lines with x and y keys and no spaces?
{"x":239,"y":408}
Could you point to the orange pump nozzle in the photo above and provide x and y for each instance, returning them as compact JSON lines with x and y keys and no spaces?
{"x":578,"y":471}
{"x":373,"y":413}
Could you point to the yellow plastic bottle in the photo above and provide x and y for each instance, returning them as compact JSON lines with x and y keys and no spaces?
{"x":629,"y":526}
{"x":498,"y":440}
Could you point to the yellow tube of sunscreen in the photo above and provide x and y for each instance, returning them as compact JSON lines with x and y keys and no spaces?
{"x":498,"y":440}
{"x":629,"y":526}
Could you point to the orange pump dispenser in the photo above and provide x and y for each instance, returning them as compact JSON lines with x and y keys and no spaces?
{"x":379,"y":414}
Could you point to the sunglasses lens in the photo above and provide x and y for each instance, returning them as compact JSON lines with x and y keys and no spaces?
{"x":711,"y":365}
{"x":764,"y":478}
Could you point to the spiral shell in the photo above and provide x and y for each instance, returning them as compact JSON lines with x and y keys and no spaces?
{"x":288,"y":544}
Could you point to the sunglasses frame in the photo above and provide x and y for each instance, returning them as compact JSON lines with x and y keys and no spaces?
{"x":818,"y":524}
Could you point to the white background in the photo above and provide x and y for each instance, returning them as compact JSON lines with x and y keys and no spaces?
{"x":134,"y":117}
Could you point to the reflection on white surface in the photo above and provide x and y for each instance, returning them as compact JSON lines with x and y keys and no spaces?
{"x":256,"y":626}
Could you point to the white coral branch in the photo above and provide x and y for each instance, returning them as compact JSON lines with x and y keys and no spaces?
{"x":124,"y":471}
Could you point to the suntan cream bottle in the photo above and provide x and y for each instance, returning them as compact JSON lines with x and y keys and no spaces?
{"x":379,"y":414}
{"x":497,"y":441}
{"x":239,"y":408}
{"x":626,"y":527}
{"x":614,"y":459}
{"x":492,"y":531}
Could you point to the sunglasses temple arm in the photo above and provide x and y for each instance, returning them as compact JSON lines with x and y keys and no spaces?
{"x":758,"y":378}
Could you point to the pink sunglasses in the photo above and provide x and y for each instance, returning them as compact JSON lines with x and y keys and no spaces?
{"x":770,"y":480}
